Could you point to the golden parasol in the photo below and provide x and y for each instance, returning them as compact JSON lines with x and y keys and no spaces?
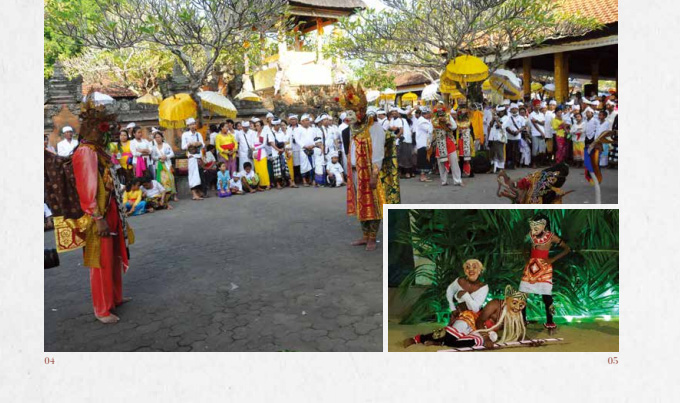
{"x":486,"y":85}
{"x":506,"y":83}
{"x":148,"y":99}
{"x":409,"y":97}
{"x":218,"y":103}
{"x":248,"y":96}
{"x":175,"y":110}
{"x":388,"y":94}
{"x":467,"y":69}
{"x":536,"y":87}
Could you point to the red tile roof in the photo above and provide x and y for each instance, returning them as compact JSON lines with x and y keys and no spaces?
{"x":605,"y":11}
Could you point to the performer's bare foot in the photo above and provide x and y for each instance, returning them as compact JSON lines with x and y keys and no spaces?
{"x":108,"y":319}
{"x":408,"y":342}
{"x":169,"y":207}
{"x":371,"y":245}
{"x":360,"y":241}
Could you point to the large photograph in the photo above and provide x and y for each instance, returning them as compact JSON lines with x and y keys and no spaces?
{"x":229,"y":161}
{"x":496,"y":280}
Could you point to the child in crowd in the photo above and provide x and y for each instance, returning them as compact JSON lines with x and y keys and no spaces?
{"x":249,"y":178}
{"x":133,"y":199}
{"x":235,"y":185}
{"x":156,"y":196}
{"x":319,"y":163}
{"x":223,"y":180}
{"x":335,"y":171}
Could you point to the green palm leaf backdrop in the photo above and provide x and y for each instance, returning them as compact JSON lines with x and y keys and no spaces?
{"x":586,"y":282}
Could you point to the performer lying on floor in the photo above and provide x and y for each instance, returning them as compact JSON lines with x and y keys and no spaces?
{"x":540,"y":187}
{"x":497,"y":314}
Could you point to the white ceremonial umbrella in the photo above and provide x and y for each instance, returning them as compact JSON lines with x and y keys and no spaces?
{"x":372,"y":95}
{"x":218,"y":103}
{"x":100,"y":99}
{"x":549,"y":87}
{"x":430,"y":92}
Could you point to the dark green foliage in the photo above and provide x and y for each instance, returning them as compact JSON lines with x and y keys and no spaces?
{"x":585,"y":282}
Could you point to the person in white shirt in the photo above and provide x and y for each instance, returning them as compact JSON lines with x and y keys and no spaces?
{"x":423,"y":138}
{"x":497,"y":139}
{"x":68,"y":144}
{"x":235,"y":185}
{"x":319,"y":163}
{"x":345,"y":140}
{"x":162,"y":155}
{"x":278,"y":140}
{"x":537,"y":124}
{"x":549,"y":131}
{"x":192,"y":142}
{"x":214,"y":131}
{"x":245,"y":145}
{"x":141,"y":153}
{"x":578,"y":138}
{"x":304,"y":136}
{"x":603,"y":126}
{"x":382,"y":117}
{"x":524,"y":140}
{"x":155,"y":195}
{"x":591,"y":125}
{"x":295,"y":147}
{"x":402,"y":131}
{"x":335,"y":171}
{"x":513,"y":126}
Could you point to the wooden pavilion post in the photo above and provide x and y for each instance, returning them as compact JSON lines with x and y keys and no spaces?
{"x":526,"y":76}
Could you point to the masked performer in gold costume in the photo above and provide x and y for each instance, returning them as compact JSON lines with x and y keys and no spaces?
{"x":371,"y":182}
{"x":84,"y":193}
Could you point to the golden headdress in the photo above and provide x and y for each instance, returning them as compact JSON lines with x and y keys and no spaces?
{"x":354,"y":99}
{"x":512,"y":293}
{"x":96,"y":122}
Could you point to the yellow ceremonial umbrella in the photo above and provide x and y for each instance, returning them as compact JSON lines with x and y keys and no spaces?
{"x":218,"y":103}
{"x":536,"y":87}
{"x":248,"y":96}
{"x":486,"y":85}
{"x":148,"y":99}
{"x":467,"y":69}
{"x":388,"y":94}
{"x":506,"y":83}
{"x":409,"y":97}
{"x":175,"y":110}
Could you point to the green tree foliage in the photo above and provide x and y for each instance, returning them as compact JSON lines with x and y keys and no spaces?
{"x":586,"y":282}
{"x":196,"y":32}
{"x":429,"y":33}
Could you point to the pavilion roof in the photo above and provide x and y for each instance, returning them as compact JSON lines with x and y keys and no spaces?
{"x":605,"y":11}
{"x":339,"y":4}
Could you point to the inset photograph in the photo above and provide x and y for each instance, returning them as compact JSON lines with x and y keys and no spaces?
{"x":503,"y":280}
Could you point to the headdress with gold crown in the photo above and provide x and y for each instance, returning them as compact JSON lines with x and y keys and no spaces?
{"x":512,"y":293}
{"x":96,"y":122}
{"x":354,"y":99}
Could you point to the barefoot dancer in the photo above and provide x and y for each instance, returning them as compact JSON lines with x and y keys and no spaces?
{"x":365,"y":190}
{"x":537,"y":278}
{"x":96,"y":222}
{"x":498,"y":314}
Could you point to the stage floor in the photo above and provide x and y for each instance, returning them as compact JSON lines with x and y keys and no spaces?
{"x":581,"y":337}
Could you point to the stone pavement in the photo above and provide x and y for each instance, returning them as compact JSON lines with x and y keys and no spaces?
{"x":482,"y":189}
{"x":265,"y":272}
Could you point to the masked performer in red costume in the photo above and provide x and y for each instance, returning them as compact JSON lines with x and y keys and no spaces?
{"x":538,"y":272}
{"x":85,"y":191}
{"x":369,"y":186}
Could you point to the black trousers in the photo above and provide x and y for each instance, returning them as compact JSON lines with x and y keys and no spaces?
{"x":447,"y":340}
{"x":549,"y":309}
{"x":512,"y":158}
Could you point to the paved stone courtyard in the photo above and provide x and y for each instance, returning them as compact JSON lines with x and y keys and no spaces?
{"x":265,"y":272}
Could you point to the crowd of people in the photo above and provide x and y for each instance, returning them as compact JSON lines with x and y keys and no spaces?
{"x":257,"y":155}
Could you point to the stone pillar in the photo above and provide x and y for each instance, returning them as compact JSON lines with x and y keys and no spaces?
{"x":526,"y":76}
